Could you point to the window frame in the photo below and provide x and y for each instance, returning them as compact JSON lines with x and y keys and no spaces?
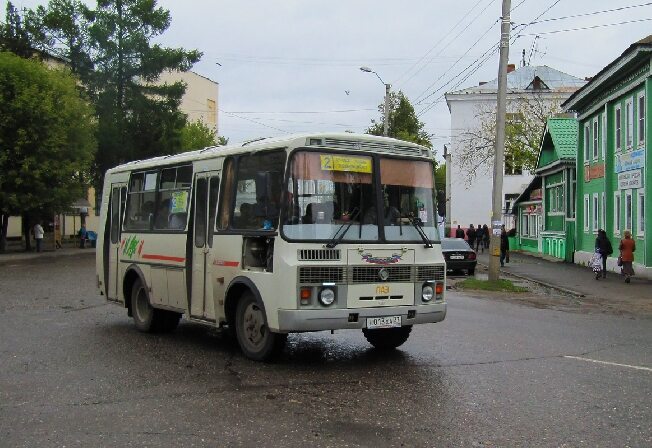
{"x":629,"y":214}
{"x":603,"y":150}
{"x":587,"y":212}
{"x":640,"y":212}
{"x":587,"y":139}
{"x":617,"y":212}
{"x":596,"y":151}
{"x":640,"y":101}
{"x":629,"y":123}
{"x":618,"y":126}
{"x":603,"y":211}
{"x":595,"y":213}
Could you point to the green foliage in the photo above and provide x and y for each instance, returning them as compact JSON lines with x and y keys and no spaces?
{"x":403,"y":121}
{"x":46,"y":137}
{"x":196,"y":135}
{"x":14,"y":36}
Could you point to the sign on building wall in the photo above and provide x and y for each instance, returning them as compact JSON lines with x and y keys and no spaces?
{"x":630,"y":179}
{"x":628,"y":161}
{"x":593,"y":172}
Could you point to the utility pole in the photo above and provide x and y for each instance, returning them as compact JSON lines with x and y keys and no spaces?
{"x":386,"y":115}
{"x":499,"y":149}
{"x":447,"y":158}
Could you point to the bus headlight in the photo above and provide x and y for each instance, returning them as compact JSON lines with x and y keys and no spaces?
{"x":427,"y":293}
{"x":327,"y":296}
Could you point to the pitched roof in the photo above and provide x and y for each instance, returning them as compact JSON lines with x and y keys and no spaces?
{"x":530,"y":78}
{"x":564,"y":136}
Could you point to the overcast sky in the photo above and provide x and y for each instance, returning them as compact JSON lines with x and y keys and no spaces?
{"x":293,"y":65}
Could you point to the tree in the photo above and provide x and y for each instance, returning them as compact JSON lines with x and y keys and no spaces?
{"x":403,"y":121}
{"x":523,"y":132}
{"x":14,"y":36}
{"x":196,"y":135}
{"x":46,"y":141}
{"x":110,"y":48}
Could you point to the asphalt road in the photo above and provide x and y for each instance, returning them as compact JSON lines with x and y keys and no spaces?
{"x":75,"y":372}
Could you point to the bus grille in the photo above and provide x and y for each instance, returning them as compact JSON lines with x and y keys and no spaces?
{"x":369,"y":274}
{"x":319,"y":254}
{"x":322,"y":274}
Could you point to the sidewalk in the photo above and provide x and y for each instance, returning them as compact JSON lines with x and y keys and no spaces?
{"x":20,"y":257}
{"x":575,"y":279}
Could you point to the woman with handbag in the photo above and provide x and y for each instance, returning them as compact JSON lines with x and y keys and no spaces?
{"x":627,"y":247}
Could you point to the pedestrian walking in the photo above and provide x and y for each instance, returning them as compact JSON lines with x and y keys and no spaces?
{"x":470,"y":235}
{"x":459,"y":232}
{"x":487,"y":237}
{"x":38,"y":236}
{"x":504,"y":246}
{"x":627,"y":248}
{"x":83,"y":235}
{"x":603,"y":247}
{"x":479,"y":237}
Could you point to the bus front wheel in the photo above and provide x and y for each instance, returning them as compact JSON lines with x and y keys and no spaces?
{"x":147,"y":318}
{"x":254,"y":337}
{"x":387,"y":338}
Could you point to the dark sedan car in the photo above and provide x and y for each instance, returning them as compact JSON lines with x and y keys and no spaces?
{"x":458,"y":255}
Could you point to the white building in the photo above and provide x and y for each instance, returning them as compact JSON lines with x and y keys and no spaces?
{"x":541,"y":88}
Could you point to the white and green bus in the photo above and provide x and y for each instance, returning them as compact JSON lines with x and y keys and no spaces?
{"x":281,"y":235}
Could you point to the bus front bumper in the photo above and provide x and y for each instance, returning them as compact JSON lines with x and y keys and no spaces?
{"x":356,"y":318}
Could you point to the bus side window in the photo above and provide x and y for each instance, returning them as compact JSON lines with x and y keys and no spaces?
{"x":227,"y":195}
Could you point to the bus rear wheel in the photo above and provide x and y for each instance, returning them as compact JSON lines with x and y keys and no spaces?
{"x":147,"y":318}
{"x":256,"y":341}
{"x":387,"y":338}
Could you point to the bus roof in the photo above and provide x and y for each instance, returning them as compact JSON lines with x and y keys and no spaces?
{"x":341,"y":141}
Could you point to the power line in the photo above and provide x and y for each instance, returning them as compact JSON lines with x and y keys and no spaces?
{"x":588,"y":27}
{"x":252,"y":121}
{"x":604,"y":11}
{"x":302,"y":111}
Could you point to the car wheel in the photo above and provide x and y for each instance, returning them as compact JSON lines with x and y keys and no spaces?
{"x":387,"y":338}
{"x":254,"y":337}
{"x":471,"y":271}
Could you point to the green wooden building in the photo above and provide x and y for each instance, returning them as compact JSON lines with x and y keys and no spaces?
{"x":546,"y":208}
{"x":614,"y":156}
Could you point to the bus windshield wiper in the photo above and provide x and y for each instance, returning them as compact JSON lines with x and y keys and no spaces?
{"x":416,"y":222}
{"x":337,"y":239}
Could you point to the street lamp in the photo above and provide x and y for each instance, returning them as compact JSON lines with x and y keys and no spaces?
{"x":387,"y":86}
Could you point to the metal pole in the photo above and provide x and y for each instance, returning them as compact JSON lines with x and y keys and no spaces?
{"x":447,"y":158}
{"x":386,"y":118}
{"x":499,"y":149}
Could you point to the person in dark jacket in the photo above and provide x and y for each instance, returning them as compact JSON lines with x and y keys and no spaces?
{"x":459,"y":232}
{"x":504,"y":246}
{"x":470,"y":235}
{"x":487,"y":237}
{"x":479,"y":236}
{"x":603,"y":246}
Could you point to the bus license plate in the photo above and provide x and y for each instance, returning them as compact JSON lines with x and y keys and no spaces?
{"x":383,"y":322}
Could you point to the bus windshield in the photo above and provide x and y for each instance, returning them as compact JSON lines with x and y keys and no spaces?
{"x":331,"y":191}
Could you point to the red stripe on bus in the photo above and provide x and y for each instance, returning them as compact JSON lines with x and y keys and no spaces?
{"x":230,"y":264}
{"x":163,"y":258}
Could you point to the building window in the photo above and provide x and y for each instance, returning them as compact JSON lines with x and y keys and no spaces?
{"x":617,"y":212}
{"x":604,"y":137}
{"x":586,"y":212}
{"x":587,"y":140}
{"x":618,"y":128}
{"x":629,"y":123}
{"x":640,"y":222}
{"x":595,"y":139}
{"x":603,"y":215}
{"x":534,"y":229}
{"x":573,"y":194}
{"x":641,"y":119}
{"x":628,"y":210}
{"x":596,"y":213}
{"x":525,"y":230}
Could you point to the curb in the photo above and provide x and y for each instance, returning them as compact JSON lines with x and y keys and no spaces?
{"x":540,"y":282}
{"x":45,"y":255}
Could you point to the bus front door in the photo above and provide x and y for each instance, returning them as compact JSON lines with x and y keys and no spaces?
{"x":206,"y":196}
{"x":111,"y":272}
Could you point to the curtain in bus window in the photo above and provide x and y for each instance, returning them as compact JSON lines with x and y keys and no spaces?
{"x":227,"y":195}
{"x":174,"y":195}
